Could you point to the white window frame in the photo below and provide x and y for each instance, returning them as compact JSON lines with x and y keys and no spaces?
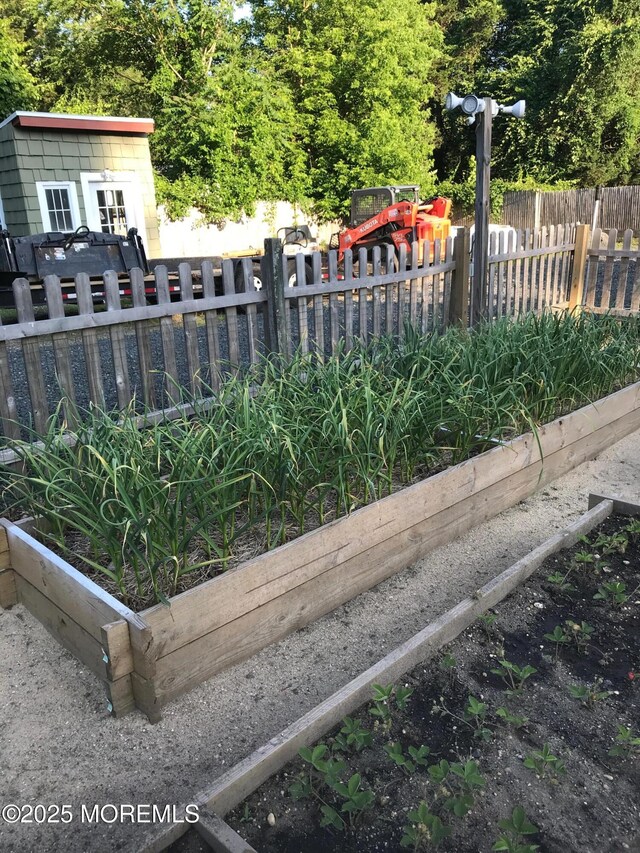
{"x":133,"y":201}
{"x":70,"y":186}
{"x":3,"y":218}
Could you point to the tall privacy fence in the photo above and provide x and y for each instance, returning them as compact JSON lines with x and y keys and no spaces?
{"x":147,"y":352}
{"x":619,"y":207}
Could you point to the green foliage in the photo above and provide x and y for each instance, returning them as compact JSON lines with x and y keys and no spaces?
{"x":360,"y":83}
{"x":627,"y":744}
{"x":513,"y":676}
{"x":544,"y":763}
{"x":589,"y":695}
{"x":353,"y":737}
{"x":612,"y":592}
{"x":424,"y":830}
{"x":515,"y":829}
{"x":18,"y":90}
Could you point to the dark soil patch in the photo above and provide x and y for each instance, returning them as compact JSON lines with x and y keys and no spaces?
{"x":593,"y":806}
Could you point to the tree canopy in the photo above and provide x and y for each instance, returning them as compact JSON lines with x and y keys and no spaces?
{"x":305,"y":99}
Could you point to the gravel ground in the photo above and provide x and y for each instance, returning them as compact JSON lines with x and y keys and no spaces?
{"x":59,"y":746}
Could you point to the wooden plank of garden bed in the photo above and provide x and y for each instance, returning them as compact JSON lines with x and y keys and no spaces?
{"x":8,"y":594}
{"x":74,"y":593}
{"x":273,"y":611}
{"x":219,"y":835}
{"x":272,"y":573}
{"x":60,"y":625}
{"x":233,"y":787}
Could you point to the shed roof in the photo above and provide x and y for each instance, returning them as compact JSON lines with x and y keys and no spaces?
{"x":99,"y":124}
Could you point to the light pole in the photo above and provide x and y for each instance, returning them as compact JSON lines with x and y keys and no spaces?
{"x":481,"y":111}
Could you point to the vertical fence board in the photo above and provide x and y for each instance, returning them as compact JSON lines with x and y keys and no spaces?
{"x":447,"y":280}
{"x":605,"y":299}
{"x":8,"y":409}
{"x":171,"y":380}
{"x":251,"y":312}
{"x":623,"y":270}
{"x":118,"y":341}
{"x":502,"y":284}
{"x":491,"y":276}
{"x":363,"y":298}
{"x":90,"y":344}
{"x":145,"y":360}
{"x":436,"y":285}
{"x":231,"y":313}
{"x":592,"y":269}
{"x":413,"y":287}
{"x":401,"y":265}
{"x":519,"y":290}
{"x":31,"y":354}
{"x":211,"y":325}
{"x":190,"y":331}
{"x":301,"y":304}
{"x":318,"y":307}
{"x":635,"y":291}
{"x":389,"y":290}
{"x":61,"y":353}
{"x":348,"y":300}
{"x":377,"y":293}
{"x":334,"y":329}
{"x":427,"y":285}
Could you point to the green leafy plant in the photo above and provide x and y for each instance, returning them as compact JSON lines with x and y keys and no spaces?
{"x":584,"y":557}
{"x":512,"y":719}
{"x":571,"y":633}
{"x":544,"y":763}
{"x":615,"y":543}
{"x":589,"y":695}
{"x":356,"y":799}
{"x":560,"y":580}
{"x":418,"y":756}
{"x":487,"y":620}
{"x":383,"y":698}
{"x":457,"y":783}
{"x":627,"y":743}
{"x":612,"y":592}
{"x":515,"y":829}
{"x":476,"y":713}
{"x":424,"y":830}
{"x":513,"y":676}
{"x":352,"y":736}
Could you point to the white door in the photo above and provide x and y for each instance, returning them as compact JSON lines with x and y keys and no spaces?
{"x":113,"y":206}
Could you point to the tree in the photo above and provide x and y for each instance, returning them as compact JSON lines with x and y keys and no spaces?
{"x":360,"y":80}
{"x":578,"y":66}
{"x":17,"y":86}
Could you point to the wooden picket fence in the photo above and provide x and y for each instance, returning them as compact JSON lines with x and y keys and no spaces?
{"x":612,"y":273}
{"x":529,"y":270}
{"x":161,"y":356}
{"x":151,"y":354}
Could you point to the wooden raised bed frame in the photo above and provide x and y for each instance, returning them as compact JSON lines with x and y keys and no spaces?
{"x":146,"y":659}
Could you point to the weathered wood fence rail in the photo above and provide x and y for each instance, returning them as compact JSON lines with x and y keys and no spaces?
{"x":157,"y":355}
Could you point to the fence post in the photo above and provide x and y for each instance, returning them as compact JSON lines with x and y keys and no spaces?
{"x":275,"y":308}
{"x":459,"y":304}
{"x":578,"y":266}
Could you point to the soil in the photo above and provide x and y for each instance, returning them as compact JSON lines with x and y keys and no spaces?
{"x":593,"y":806}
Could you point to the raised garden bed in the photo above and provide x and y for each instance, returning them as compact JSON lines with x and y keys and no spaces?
{"x":524,"y":731}
{"x":146,"y":659}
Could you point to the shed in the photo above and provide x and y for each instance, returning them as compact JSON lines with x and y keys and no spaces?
{"x":58,"y":172}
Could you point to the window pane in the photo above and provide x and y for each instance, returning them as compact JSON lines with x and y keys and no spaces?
{"x":113,"y":217}
{"x":59,"y":208}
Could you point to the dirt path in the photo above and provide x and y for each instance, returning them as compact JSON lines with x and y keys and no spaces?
{"x":58,"y":746}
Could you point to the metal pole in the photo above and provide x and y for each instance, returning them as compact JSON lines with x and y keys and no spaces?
{"x":479,"y":301}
